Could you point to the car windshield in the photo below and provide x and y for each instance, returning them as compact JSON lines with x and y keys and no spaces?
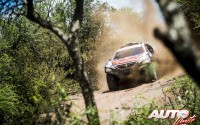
{"x":128,"y":52}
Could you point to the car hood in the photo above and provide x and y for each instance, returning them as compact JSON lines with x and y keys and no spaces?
{"x":128,"y":59}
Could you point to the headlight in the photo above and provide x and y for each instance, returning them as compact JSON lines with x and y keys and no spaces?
{"x":108,"y":69}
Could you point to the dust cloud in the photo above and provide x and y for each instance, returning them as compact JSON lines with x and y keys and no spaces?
{"x":125,"y":26}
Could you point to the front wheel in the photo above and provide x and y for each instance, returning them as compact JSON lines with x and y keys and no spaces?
{"x":111,"y":81}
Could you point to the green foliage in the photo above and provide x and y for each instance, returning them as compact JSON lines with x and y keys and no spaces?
{"x":149,"y":71}
{"x":191,"y":10}
{"x":91,"y":111}
{"x":185,"y":94}
{"x":36,"y":72}
{"x":182,"y":94}
{"x":80,"y":119}
{"x":140,"y":114}
{"x":9,"y":103}
{"x":113,"y":120}
{"x":32,"y":62}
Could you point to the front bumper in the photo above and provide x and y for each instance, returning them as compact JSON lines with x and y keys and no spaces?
{"x":125,"y":72}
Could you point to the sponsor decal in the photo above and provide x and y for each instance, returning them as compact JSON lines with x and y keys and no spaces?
{"x":125,"y":60}
{"x":181,"y":115}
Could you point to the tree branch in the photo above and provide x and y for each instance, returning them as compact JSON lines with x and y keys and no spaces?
{"x":37,"y":19}
{"x":178,"y":38}
{"x":71,"y":42}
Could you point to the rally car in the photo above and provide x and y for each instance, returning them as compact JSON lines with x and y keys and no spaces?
{"x":132,"y":61}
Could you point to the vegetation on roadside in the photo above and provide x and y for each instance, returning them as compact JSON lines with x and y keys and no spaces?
{"x":36,"y":73}
{"x":182,"y":94}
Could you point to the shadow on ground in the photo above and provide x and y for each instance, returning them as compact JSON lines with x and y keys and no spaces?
{"x":127,"y":85}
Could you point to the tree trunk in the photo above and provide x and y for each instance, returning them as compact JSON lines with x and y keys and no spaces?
{"x":178,"y":38}
{"x":71,"y":42}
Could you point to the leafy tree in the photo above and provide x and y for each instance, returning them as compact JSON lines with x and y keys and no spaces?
{"x":191,"y":10}
{"x":192,"y":13}
{"x":34,"y":64}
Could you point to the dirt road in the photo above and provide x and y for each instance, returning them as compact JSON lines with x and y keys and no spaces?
{"x":120,"y":102}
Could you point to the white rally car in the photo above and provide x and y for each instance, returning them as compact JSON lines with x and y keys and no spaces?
{"x":132,"y":61}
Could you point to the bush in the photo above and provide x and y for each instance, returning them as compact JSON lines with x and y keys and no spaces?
{"x":9,"y":104}
{"x":182,"y":94}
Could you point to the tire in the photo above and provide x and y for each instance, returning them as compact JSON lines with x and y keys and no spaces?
{"x":111,"y":81}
